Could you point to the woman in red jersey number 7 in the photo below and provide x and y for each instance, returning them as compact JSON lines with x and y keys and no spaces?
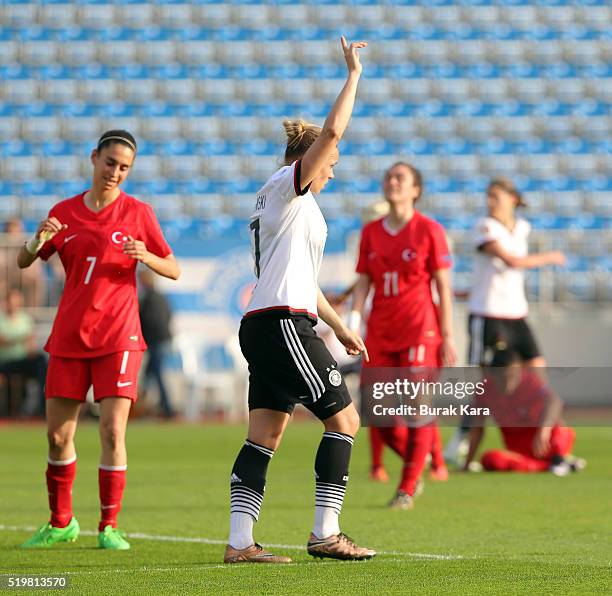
{"x":288,"y":362}
{"x":100,"y":236}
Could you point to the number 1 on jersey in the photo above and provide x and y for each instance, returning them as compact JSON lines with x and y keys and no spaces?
{"x":92,"y":264}
{"x":391,"y":283}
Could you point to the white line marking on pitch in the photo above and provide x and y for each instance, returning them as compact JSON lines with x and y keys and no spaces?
{"x":196,"y":540}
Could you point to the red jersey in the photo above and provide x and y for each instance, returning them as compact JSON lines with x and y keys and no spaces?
{"x":400,"y":265}
{"x":98,"y":311}
{"x":520,"y":412}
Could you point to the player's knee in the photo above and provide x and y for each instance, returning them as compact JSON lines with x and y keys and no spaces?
{"x":112,"y":435}
{"x":347,"y":422}
{"x":270,"y":437}
{"x":58,"y":440}
{"x":272,"y":440}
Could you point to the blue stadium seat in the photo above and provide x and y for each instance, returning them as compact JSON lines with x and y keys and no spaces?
{"x":21,"y":14}
{"x":65,"y":167}
{"x":183,"y":167}
{"x":9,"y":50}
{"x":96,"y":16}
{"x":133,"y":15}
{"x":159,"y":53}
{"x":10,"y":206}
{"x":37,"y":207}
{"x":175,"y":15}
{"x":9,"y":129}
{"x":212,"y":15}
{"x":205,"y":206}
{"x":21,"y":169}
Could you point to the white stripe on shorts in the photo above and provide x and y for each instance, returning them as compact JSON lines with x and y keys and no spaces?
{"x":124,"y":362}
{"x":303,"y":363}
{"x":476,"y":339}
{"x":420,"y":353}
{"x":309,"y":364}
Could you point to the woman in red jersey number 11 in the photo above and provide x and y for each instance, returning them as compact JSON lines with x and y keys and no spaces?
{"x":100,"y":236}
{"x":400,"y":255}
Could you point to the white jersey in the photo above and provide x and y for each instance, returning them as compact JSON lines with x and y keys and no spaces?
{"x":288,"y":234}
{"x":498,"y":290}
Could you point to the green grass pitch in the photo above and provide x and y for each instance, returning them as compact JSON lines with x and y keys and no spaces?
{"x":477,"y":533}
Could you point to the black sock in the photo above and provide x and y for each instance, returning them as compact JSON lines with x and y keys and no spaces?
{"x":248,"y":480}
{"x":332,"y":469}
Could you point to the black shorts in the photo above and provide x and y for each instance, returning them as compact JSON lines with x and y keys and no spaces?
{"x":488,"y":334}
{"x":288,"y":365}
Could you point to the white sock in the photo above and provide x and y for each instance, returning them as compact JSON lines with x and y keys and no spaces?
{"x":241,"y":530}
{"x":326,"y":522}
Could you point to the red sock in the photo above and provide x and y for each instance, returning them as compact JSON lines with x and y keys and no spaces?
{"x":437,"y":458}
{"x":396,"y":437}
{"x":419,"y":445}
{"x":111,"y":482}
{"x":60,"y":476}
{"x":500,"y":460}
{"x":376,"y":447}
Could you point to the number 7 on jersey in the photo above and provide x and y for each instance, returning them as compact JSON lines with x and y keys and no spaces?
{"x":92,"y":264}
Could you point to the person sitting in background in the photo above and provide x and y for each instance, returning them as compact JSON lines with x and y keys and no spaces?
{"x":30,"y":281}
{"x":19,"y":354}
{"x":528,"y":413}
{"x":155,"y":317}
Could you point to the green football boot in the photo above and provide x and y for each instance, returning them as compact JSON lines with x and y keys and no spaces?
{"x":47,"y":535}
{"x":113,"y":539}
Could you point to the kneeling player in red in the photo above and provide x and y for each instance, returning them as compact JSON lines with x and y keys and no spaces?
{"x":100,"y":236}
{"x":400,"y":255}
{"x":528,"y":413}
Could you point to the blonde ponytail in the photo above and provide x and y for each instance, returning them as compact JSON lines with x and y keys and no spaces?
{"x":300,"y":136}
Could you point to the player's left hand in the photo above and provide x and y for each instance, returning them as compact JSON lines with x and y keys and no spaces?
{"x":541,"y":441}
{"x":448,"y":352}
{"x":136,"y":249}
{"x":353,"y":343}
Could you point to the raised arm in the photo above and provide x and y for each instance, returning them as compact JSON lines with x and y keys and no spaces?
{"x":533,"y":261}
{"x":338,"y":118}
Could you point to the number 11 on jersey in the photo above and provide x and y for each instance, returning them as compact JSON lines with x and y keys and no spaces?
{"x":92,"y":264}
{"x":391,"y":283}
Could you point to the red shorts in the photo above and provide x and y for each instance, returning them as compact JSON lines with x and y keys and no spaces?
{"x":520,"y":440}
{"x":112,"y":375}
{"x":425,"y":355}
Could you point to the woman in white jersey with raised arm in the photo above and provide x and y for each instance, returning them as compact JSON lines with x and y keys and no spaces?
{"x":288,"y":362}
{"x":497,"y":304}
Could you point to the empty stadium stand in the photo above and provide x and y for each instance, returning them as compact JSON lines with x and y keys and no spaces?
{"x":466,"y":90}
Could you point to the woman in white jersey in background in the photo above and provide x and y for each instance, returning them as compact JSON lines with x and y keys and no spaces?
{"x":288,"y":363}
{"x":497,"y":304}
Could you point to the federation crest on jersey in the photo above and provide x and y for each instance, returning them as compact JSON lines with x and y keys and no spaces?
{"x":408,"y":255}
{"x":118,"y":237}
{"x":335,"y":378}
